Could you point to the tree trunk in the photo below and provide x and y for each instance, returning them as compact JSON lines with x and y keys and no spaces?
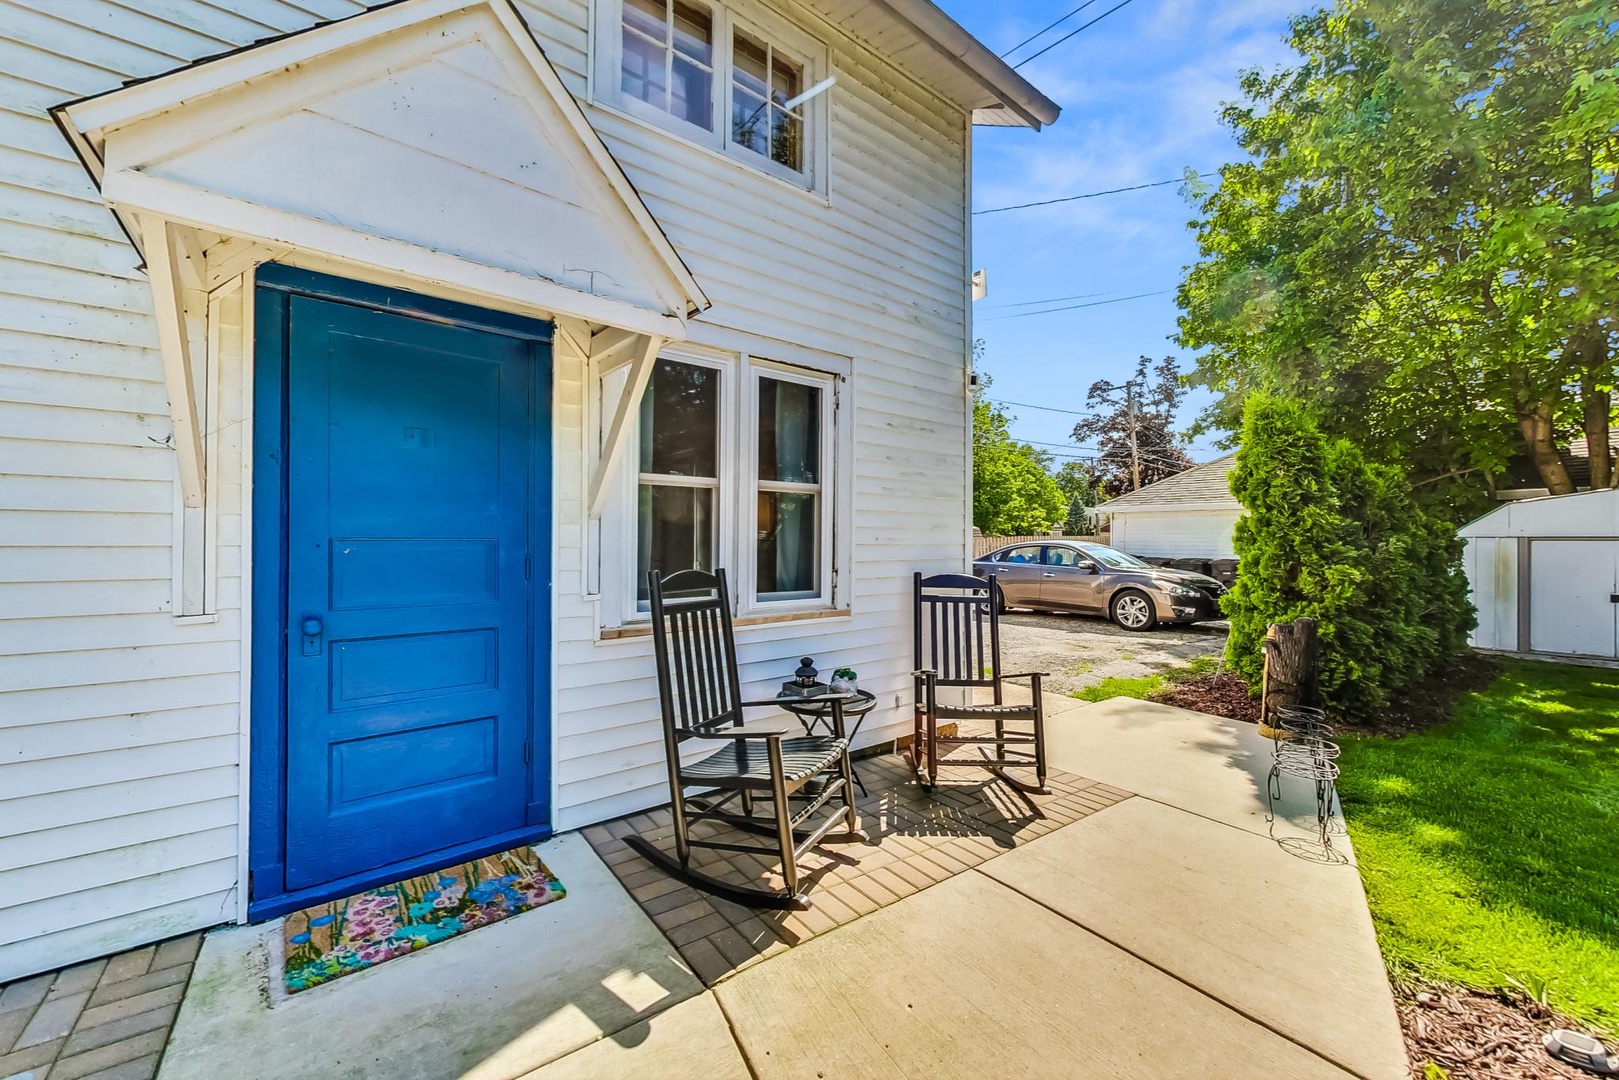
{"x":1292,"y":671}
{"x":1598,"y":407}
{"x":1535,"y":424}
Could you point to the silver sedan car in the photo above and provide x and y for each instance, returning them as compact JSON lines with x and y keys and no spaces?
{"x":1072,"y":575}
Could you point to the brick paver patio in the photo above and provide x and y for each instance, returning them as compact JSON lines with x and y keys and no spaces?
{"x":103,"y":1020}
{"x":917,"y":840}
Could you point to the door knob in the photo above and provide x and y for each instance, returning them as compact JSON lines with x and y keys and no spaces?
{"x":312,"y":628}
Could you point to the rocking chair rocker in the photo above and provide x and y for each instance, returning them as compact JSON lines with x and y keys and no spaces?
{"x":958,"y":645}
{"x":701,"y":697}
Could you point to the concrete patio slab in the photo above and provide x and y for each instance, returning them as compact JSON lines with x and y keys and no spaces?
{"x":969,"y":979}
{"x":494,"y":1004}
{"x":1282,"y":940}
{"x":1206,"y":765}
{"x":688,"y":1042}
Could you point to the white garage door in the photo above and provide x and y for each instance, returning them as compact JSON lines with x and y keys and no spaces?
{"x":1571,"y":600}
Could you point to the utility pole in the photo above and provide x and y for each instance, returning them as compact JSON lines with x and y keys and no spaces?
{"x":1129,"y":389}
{"x":1135,"y":451}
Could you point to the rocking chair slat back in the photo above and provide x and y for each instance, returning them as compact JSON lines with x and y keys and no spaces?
{"x":696,"y":652}
{"x":958,"y":632}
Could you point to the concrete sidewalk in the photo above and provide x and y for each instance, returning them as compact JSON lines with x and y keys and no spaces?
{"x":1167,"y":935}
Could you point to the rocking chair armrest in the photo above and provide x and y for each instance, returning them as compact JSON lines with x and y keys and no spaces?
{"x":925,"y":673}
{"x":1028,"y":675}
{"x":738,"y":736}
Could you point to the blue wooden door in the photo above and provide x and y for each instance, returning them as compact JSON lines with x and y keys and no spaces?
{"x":409,"y":651}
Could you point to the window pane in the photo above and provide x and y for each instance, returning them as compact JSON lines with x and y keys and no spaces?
{"x":750,"y":121}
{"x":786,"y":80}
{"x":789,"y":432}
{"x":680,"y":420}
{"x":1062,"y":556}
{"x":693,"y":98}
{"x":786,"y":140}
{"x":749,"y":58}
{"x":789,"y":564}
{"x":648,"y":16}
{"x":694,"y":33}
{"x":643,"y":69}
{"x":676,"y":532}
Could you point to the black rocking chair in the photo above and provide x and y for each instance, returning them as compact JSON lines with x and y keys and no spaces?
{"x":701,"y":697}
{"x":958,"y":645}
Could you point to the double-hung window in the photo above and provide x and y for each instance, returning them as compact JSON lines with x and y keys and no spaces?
{"x":668,"y":58}
{"x":763,"y":82}
{"x":792,"y":470}
{"x":737,"y":466}
{"x":677,"y":494}
{"x":727,"y":76}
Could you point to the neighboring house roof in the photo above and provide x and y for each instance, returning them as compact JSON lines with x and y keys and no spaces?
{"x":1524,"y":478}
{"x":1202,"y":487}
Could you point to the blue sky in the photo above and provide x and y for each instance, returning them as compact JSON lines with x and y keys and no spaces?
{"x":1141,"y":94}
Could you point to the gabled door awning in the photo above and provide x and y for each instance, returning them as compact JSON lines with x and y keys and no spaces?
{"x":430,"y":137}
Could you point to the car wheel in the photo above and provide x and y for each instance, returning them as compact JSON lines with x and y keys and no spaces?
{"x":1132,"y":609}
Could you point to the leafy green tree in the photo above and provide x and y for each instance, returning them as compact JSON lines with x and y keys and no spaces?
{"x":1426,"y":244}
{"x":1077,"y":482}
{"x":1331,"y":536}
{"x":1013,"y":494}
{"x":1146,"y":412}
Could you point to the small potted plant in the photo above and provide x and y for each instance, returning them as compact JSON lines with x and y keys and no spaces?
{"x":843,"y":681}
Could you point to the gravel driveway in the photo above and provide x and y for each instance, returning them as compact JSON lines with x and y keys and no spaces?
{"x":1080,"y":651}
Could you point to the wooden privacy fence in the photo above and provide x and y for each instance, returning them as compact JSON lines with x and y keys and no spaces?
{"x":983,"y":545}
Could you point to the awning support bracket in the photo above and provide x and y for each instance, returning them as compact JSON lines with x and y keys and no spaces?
{"x":646,"y":349}
{"x":166,"y":266}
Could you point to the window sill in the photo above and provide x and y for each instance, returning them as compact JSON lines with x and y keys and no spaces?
{"x":615,"y":633}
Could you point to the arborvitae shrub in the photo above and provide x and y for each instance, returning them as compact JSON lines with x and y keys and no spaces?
{"x":1330,"y":535}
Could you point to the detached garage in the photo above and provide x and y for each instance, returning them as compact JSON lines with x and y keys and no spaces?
{"x":1545,"y":575}
{"x":1190,"y":515}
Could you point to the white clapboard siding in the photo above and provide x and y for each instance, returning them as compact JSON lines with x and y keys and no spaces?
{"x":119,"y":728}
{"x":1176,"y":534}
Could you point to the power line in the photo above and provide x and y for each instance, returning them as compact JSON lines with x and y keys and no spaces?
{"x":1052,"y":300}
{"x":1053,"y":26}
{"x":1043,"y":408}
{"x":1076,"y":307}
{"x":1095,"y":194}
{"x":1071,"y":33}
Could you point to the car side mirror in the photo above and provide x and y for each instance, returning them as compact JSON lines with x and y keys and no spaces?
{"x":1087,"y":568}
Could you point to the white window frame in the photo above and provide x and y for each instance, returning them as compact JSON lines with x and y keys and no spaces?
{"x":736,"y":504}
{"x":825,"y":491}
{"x":791,"y":42}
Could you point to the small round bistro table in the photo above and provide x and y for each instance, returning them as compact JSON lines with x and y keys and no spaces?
{"x":815,"y":711}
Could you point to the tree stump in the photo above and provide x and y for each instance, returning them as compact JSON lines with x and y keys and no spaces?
{"x":1292,"y":675}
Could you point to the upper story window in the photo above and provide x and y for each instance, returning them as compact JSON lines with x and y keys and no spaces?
{"x":763,"y":82}
{"x":668,"y":58}
{"x":721,"y":76}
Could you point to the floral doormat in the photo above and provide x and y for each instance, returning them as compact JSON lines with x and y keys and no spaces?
{"x":328,"y":941}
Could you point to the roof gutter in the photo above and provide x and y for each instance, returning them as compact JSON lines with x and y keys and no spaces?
{"x":974,"y":59}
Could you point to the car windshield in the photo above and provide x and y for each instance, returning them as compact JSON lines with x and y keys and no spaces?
{"x":1113,"y":558}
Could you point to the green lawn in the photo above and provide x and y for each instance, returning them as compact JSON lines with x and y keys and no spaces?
{"x":1490,"y":845}
{"x":1145,"y":685}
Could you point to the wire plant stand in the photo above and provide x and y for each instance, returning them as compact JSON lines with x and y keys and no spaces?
{"x":1304,"y":748}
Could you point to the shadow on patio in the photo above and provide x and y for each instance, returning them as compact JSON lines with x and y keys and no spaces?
{"x":917,"y":840}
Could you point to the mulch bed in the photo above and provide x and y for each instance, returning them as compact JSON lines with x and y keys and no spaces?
{"x":1430,"y":702}
{"x":1473,"y":1036}
{"x":1222,"y":694}
{"x":1414,"y":710}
